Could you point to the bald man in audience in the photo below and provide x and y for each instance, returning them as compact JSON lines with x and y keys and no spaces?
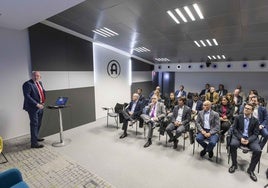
{"x":208,"y":126}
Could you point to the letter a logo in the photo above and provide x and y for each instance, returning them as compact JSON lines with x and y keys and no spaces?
{"x":113,"y":69}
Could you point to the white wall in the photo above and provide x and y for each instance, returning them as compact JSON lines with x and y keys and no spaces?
{"x":109,"y":91}
{"x":141,"y":76}
{"x":14,"y":71}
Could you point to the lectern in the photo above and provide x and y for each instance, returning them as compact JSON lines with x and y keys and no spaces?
{"x":62,"y":141}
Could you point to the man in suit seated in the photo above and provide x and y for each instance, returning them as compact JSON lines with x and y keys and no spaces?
{"x":195,"y":105}
{"x":221,"y":91}
{"x":180,"y":92}
{"x":181,"y":118}
{"x":204,"y":91}
{"x":131,"y":113}
{"x":208,"y":126}
{"x":212,"y":96}
{"x":154,"y":114}
{"x":260,"y":113}
{"x":245,"y":133}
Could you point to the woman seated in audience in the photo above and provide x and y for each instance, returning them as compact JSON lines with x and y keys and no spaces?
{"x":226,"y":111}
{"x":170,"y":102}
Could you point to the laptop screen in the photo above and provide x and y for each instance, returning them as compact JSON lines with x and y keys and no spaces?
{"x":61,"y":101}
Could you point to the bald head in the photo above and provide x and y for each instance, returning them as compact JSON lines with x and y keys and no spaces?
{"x":36,"y":76}
{"x":206,"y":105}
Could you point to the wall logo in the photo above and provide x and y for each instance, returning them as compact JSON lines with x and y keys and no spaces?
{"x":113,"y":69}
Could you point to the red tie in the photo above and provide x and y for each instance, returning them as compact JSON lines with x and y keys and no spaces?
{"x":41,"y":93}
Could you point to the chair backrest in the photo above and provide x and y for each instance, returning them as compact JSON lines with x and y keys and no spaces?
{"x":1,"y":144}
{"x":118,"y":108}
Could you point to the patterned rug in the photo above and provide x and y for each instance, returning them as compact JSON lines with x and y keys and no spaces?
{"x":46,"y":168}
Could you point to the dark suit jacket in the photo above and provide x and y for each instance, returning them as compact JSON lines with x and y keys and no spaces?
{"x":177,"y":92}
{"x":253,"y":129}
{"x":137,"y":110}
{"x":224,"y":92}
{"x":31,"y":95}
{"x":186,"y":115}
{"x":214,"y":121}
{"x":262,"y":113}
{"x":199,"y":105}
{"x":203,"y":92}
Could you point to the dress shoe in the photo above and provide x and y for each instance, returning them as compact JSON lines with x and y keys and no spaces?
{"x":202,"y":153}
{"x":123,"y":135}
{"x":148,"y":143}
{"x":232,"y":168}
{"x":210,"y":154}
{"x":252,"y":175}
{"x":40,"y":139}
{"x":175,"y":144}
{"x":37,"y":146}
{"x":171,"y":140}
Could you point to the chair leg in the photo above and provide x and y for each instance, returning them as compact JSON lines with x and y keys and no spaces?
{"x":166,"y":140}
{"x":117,"y":121}
{"x":136,"y":127}
{"x":107,"y":119}
{"x":193,"y":147}
{"x":229,"y":154}
{"x":217,"y":152}
{"x":5,"y":159}
{"x":183,"y":147}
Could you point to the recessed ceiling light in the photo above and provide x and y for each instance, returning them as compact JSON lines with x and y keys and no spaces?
{"x":198,"y":11}
{"x":214,"y":57}
{"x":189,"y":13}
{"x":203,"y":43}
{"x":209,"y":57}
{"x":197,"y":44}
{"x":209,"y":42}
{"x":181,"y":15}
{"x":105,"y":32}
{"x":223,"y":56}
{"x":219,"y":57}
{"x":173,"y":17}
{"x":215,"y":42}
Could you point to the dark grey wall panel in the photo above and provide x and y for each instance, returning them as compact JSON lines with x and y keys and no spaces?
{"x":138,"y":65}
{"x":147,"y":87}
{"x":81,"y":110}
{"x":54,"y":50}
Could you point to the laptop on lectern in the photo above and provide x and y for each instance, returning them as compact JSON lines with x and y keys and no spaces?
{"x":60,"y":102}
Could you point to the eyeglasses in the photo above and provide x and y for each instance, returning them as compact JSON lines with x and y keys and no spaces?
{"x":248,"y":108}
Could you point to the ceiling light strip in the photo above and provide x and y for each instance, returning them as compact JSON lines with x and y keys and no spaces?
{"x":99,"y":33}
{"x":98,"y":30}
{"x":223,"y":56}
{"x":189,"y":13}
{"x":198,"y":11}
{"x":110,"y":31}
{"x":209,"y":57}
{"x":209,"y":42}
{"x":173,"y":17}
{"x":197,"y":44}
{"x":107,"y":32}
{"x":181,"y":15}
{"x":202,"y":42}
{"x":215,"y":42}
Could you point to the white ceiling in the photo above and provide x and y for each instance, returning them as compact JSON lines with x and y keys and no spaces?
{"x":21,"y":14}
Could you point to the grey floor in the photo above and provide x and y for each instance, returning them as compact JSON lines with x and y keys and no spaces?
{"x":126,"y":164}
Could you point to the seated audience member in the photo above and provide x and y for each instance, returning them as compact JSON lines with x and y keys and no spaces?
{"x":221,"y":91}
{"x":170,"y":103}
{"x":260,"y":113}
{"x":226,"y":111}
{"x":131,"y":113}
{"x":208,"y":126}
{"x":241,"y":93}
{"x":141,"y":97}
{"x":181,"y":118}
{"x":230,"y":97}
{"x":205,"y":91}
{"x":245,"y":133}
{"x":155,"y":113}
{"x":238,"y":100}
{"x":180,"y":92}
{"x":153,"y":92}
{"x":212,"y":96}
{"x":195,"y":105}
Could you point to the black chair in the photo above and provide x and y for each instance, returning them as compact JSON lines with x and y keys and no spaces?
{"x":114,"y":112}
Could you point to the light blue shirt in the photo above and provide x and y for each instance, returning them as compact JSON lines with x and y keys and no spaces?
{"x":206,"y":119}
{"x":133,"y":107}
{"x":246,"y":125}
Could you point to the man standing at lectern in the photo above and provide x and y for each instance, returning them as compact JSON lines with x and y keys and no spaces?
{"x":34,"y":99}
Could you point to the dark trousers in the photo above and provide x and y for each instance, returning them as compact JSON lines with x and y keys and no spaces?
{"x":254,"y":147}
{"x":35,"y":124}
{"x":212,"y":141}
